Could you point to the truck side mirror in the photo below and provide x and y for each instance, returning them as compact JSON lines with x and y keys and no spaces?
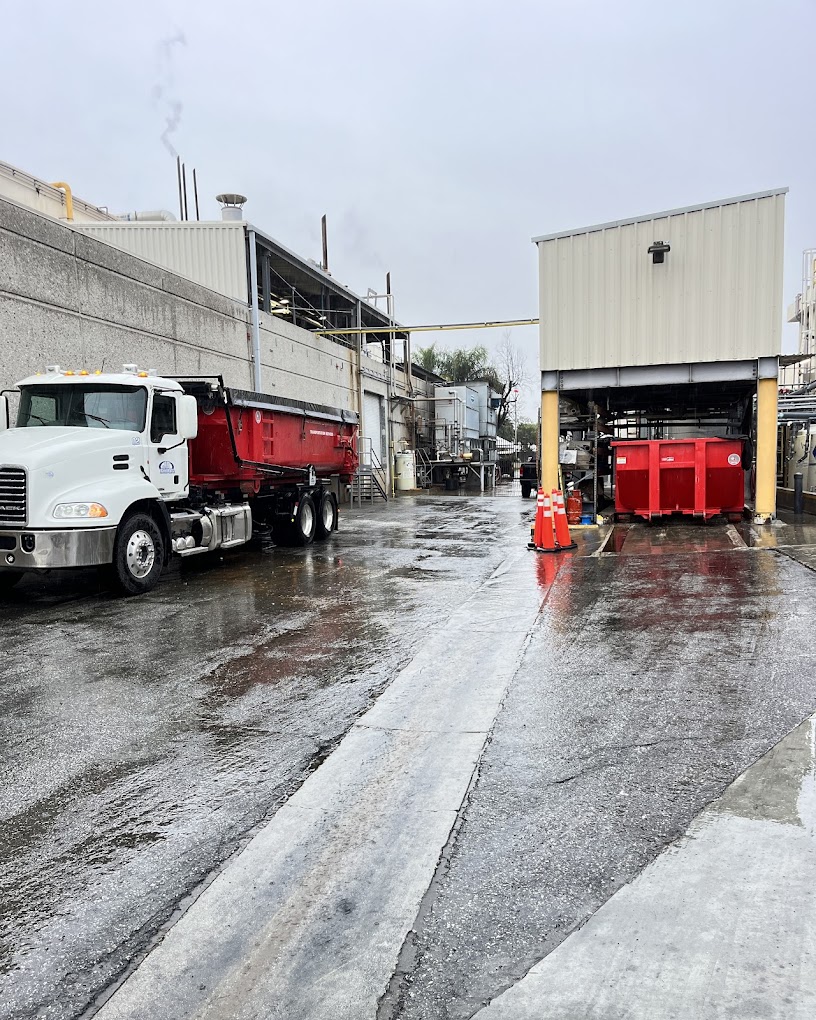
{"x":4,"y":413}
{"x":187,"y":417}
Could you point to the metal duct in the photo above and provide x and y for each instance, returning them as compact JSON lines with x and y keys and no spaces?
{"x":150,"y":214}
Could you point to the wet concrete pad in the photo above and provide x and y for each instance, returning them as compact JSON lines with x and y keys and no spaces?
{"x":650,"y":684}
{"x":722,"y":924}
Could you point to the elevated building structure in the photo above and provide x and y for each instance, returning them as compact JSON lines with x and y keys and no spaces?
{"x":666,"y":325}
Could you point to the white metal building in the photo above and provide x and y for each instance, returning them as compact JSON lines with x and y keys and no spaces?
{"x":668,"y":317}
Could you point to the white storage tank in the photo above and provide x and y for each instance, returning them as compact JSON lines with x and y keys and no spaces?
{"x":405,"y":471}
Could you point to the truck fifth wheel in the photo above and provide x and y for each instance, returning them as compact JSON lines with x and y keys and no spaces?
{"x":129,"y":469}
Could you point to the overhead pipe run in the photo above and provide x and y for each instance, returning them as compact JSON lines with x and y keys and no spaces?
{"x":69,"y":197}
{"x":150,"y":215}
{"x":253,"y":307}
{"x":397,"y":328}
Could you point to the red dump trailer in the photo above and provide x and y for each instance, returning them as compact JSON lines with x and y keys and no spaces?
{"x":697,"y":477}
{"x":253,"y":442}
{"x":289,"y":460}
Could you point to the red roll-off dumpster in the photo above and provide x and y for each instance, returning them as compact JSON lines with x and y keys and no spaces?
{"x":659,"y":477}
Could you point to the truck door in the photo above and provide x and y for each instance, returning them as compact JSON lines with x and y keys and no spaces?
{"x":167,"y":458}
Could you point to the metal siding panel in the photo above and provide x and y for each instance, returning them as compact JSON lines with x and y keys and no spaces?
{"x":717,"y":297}
{"x":211,"y":254}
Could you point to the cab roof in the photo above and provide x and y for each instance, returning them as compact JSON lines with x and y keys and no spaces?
{"x":129,"y":375}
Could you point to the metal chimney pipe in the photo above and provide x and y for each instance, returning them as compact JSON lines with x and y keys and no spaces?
{"x":181,"y":201}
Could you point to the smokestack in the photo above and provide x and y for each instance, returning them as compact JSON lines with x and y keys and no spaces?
{"x":325,"y":263}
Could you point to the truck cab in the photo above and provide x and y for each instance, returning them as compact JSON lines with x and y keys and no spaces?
{"x":89,"y":471}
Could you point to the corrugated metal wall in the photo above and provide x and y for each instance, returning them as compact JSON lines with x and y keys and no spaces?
{"x":717,"y":296}
{"x":212,"y":254}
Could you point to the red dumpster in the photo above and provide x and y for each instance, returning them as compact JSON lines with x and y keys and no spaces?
{"x":700,"y":477}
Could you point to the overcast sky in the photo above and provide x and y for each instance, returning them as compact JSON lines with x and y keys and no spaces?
{"x":439,"y":137}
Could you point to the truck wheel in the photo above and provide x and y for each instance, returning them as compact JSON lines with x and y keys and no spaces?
{"x":138,"y":555}
{"x":8,"y":578}
{"x":526,"y":490}
{"x":326,"y":516}
{"x":305,"y":524}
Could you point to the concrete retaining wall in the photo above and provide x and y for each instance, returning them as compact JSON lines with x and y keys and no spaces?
{"x":784,"y":500}
{"x":70,"y":299}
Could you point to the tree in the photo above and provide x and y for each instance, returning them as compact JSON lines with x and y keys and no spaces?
{"x":426,"y":357}
{"x":527,"y":435}
{"x":460,"y":365}
{"x":511,"y":375}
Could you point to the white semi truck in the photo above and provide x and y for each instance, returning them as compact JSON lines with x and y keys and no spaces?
{"x":124,"y":470}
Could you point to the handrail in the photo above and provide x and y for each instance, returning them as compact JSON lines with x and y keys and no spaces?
{"x":371,"y":465}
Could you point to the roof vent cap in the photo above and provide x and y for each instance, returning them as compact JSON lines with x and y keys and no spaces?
{"x":231,"y":205}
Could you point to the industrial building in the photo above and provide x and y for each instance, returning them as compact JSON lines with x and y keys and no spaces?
{"x":223,"y":297}
{"x":664,"y":326}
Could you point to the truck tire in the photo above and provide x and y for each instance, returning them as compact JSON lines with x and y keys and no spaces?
{"x":305,"y":523}
{"x":326,"y":515}
{"x":526,"y":489}
{"x":138,"y":555}
{"x":8,"y":579}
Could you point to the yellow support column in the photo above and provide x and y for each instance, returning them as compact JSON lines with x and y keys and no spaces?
{"x":549,"y":440}
{"x":765,"y":506}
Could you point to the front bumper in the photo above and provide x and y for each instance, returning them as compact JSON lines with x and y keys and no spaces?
{"x":53,"y":550}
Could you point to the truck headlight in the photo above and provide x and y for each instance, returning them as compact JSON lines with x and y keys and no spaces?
{"x":64,"y":511}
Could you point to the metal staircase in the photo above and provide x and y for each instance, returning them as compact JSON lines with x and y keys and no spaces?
{"x":424,"y":469}
{"x":371,"y":482}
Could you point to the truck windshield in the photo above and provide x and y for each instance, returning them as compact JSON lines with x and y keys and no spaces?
{"x":83,"y":405}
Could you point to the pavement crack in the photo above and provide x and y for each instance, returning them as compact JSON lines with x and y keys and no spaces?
{"x":620,"y":761}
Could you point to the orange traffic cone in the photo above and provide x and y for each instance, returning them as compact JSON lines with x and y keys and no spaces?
{"x":546,"y":542}
{"x":562,"y":531}
{"x":539,"y":521}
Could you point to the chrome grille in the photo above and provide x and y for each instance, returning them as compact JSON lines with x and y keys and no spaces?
{"x":12,"y":496}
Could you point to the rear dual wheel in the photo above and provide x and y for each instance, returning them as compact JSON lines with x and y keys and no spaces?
{"x":304,"y":522}
{"x":326,"y":515}
{"x":315,"y":518}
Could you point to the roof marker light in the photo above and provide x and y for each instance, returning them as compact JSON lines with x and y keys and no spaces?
{"x":84,"y":372}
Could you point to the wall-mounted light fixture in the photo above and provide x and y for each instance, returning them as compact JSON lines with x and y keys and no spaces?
{"x":658,"y":251}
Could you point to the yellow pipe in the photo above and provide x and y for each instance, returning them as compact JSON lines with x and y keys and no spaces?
{"x":549,"y":440}
{"x":765,"y":507}
{"x":397,"y":328}
{"x":69,"y":198}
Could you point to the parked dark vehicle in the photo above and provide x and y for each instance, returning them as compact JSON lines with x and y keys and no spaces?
{"x":529,"y":478}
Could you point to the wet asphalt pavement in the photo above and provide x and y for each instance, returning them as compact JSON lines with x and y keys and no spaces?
{"x":144,"y":741}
